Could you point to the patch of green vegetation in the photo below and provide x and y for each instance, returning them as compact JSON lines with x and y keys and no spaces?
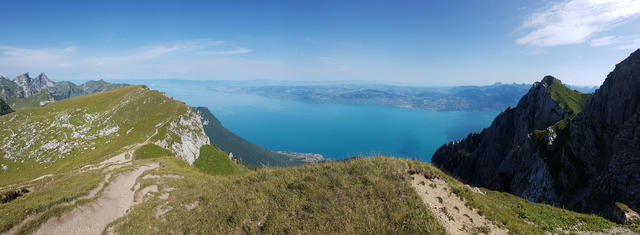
{"x":570,"y":100}
{"x":622,"y":206}
{"x":361,"y":196}
{"x":214,"y":161}
{"x":151,"y":151}
{"x":446,"y":213}
{"x":561,"y":125}
{"x":538,"y":135}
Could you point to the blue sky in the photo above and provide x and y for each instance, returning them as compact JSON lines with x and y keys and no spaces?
{"x":414,"y":42}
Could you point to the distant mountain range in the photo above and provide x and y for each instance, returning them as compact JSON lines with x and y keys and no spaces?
{"x":26,"y":92}
{"x":562,"y":147}
{"x":458,"y":98}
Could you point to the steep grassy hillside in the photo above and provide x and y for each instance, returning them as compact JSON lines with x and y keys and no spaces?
{"x":249,"y":153}
{"x":214,"y":161}
{"x":571,"y":100}
{"x":151,"y":151}
{"x":75,"y":132}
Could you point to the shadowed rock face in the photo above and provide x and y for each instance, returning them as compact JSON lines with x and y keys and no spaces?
{"x":588,"y":166}
{"x":500,"y":157}
{"x":605,"y":140}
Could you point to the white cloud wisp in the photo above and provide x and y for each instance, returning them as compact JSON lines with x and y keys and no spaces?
{"x":576,"y":21}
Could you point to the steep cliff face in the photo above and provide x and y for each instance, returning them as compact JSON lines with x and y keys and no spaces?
{"x":500,"y":157}
{"x":184,"y":136}
{"x":605,"y":142}
{"x":561,"y":147}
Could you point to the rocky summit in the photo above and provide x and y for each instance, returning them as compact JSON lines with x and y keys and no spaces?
{"x":26,"y":92}
{"x":31,"y":86}
{"x":562,"y":147}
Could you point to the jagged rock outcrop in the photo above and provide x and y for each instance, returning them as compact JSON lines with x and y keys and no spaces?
{"x":548,"y":151}
{"x":185,"y":136}
{"x":31,"y":86}
{"x":500,"y":157}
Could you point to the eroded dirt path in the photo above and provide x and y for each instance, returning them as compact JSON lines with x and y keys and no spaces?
{"x":450,"y":209}
{"x":92,"y":218}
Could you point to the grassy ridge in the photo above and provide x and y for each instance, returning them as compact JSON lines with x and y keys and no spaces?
{"x":214,"y":161}
{"x":151,"y":151}
{"x":368,"y":195}
{"x":570,"y":100}
{"x":26,"y":131}
{"x":361,"y":196}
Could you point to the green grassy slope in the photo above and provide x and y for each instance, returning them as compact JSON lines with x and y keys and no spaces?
{"x":367,"y":195}
{"x":82,"y":130}
{"x":151,"y":151}
{"x":359,"y":197}
{"x":229,"y":142}
{"x":214,"y":161}
{"x":570,"y":100}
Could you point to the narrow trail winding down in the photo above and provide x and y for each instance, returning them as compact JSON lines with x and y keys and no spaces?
{"x":118,"y":197}
{"x":450,"y":210}
{"x":92,"y":218}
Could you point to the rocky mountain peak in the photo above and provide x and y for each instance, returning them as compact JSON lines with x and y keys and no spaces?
{"x":548,"y":80}
{"x":31,"y":86}
{"x":22,"y":78}
{"x":43,"y":78}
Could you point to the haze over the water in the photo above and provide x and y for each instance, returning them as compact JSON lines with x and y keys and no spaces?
{"x":423,"y":42}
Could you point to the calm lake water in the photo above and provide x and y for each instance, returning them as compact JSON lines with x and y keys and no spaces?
{"x":336,"y":131}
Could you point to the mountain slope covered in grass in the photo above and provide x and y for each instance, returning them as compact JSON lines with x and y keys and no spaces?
{"x":83,"y":130}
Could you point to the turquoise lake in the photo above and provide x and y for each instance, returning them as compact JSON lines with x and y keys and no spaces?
{"x":336,"y":131}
